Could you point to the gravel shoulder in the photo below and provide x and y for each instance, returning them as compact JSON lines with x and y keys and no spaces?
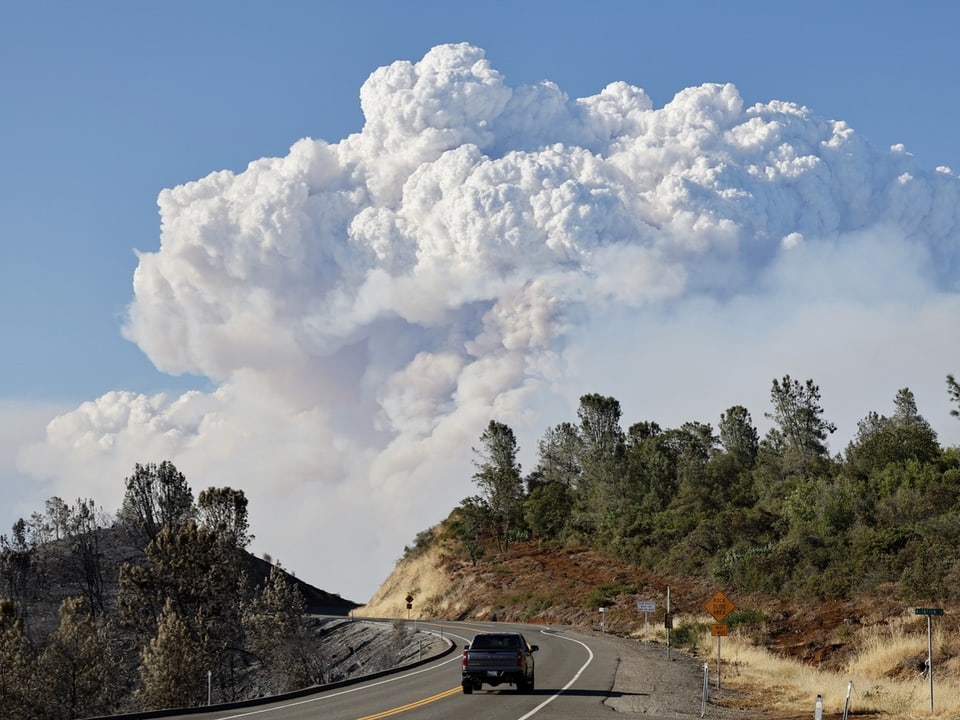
{"x":655,"y":683}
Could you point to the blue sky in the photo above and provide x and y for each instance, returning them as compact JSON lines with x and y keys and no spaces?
{"x":106,"y":104}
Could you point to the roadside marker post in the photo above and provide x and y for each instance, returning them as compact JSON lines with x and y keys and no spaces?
{"x":705,"y":698}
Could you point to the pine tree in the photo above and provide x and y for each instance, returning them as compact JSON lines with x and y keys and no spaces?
{"x":172,"y":669}
{"x":273,"y":625}
{"x":76,"y":670}
{"x":499,"y":479}
{"x":953,"y":389}
{"x":801,"y":430}
{"x":16,"y":667}
{"x":204,"y":577}
{"x":156,"y":496}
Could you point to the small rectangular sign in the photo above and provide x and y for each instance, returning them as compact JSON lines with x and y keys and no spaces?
{"x":646,"y":605}
{"x":718,"y":630}
{"x":929,"y":611}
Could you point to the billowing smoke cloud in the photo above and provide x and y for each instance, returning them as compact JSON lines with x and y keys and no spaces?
{"x":483,"y":251}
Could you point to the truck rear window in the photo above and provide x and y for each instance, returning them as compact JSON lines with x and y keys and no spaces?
{"x":495,"y":642}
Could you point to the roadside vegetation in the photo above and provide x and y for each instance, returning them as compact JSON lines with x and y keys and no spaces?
{"x":774,"y":514}
{"x":160,"y":607}
{"x":886,"y":676}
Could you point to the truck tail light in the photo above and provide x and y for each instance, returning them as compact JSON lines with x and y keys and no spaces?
{"x":463,"y":660}
{"x":519,"y":659}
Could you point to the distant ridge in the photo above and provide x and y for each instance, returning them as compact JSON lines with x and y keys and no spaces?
{"x":318,"y":602}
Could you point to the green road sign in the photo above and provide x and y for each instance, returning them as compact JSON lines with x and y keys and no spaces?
{"x":929,"y":611}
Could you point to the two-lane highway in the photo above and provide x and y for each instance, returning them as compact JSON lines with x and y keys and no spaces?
{"x":574,"y":674}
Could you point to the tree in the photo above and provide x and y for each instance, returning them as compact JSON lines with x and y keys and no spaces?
{"x":83,"y":563}
{"x":21,"y":567}
{"x":172,"y":669}
{"x":738,"y":436}
{"x":77,"y":671}
{"x":560,"y":449}
{"x":651,"y":468}
{"x":156,"y":496}
{"x":801,"y":428}
{"x":499,"y":479}
{"x":695,"y":445}
{"x":547,"y":510}
{"x":58,"y":518}
{"x":469,"y":522}
{"x":602,"y":461}
{"x":882,"y":441}
{"x":905,"y":412}
{"x":17,"y":696}
{"x":224,"y":511}
{"x":731,"y":470}
{"x":600,"y":425}
{"x":202,"y":578}
{"x":953,"y":389}
{"x":276,"y":635}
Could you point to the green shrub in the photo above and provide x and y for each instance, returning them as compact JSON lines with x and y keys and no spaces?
{"x":687,"y":635}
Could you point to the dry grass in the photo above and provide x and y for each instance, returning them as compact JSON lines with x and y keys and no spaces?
{"x":883,"y":678}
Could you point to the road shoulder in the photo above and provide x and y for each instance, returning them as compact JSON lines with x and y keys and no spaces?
{"x":655,"y":683}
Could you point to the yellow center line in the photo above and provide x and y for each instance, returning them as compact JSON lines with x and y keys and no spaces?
{"x":411,"y":706}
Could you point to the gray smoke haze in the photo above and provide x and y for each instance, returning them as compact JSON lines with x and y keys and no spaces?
{"x":482,"y":251}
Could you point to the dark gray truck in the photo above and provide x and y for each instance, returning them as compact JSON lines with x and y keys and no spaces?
{"x":497,"y":658}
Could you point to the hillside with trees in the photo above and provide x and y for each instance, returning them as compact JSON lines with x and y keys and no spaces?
{"x":774,"y":514}
{"x":159,"y":607}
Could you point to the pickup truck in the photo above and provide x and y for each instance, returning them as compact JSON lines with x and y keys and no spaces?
{"x":496,"y":658}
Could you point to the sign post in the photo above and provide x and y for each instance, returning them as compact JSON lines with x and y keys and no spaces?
{"x":719,"y":606}
{"x":930,"y":612}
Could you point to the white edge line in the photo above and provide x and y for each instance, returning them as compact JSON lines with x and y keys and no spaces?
{"x":566,"y":687}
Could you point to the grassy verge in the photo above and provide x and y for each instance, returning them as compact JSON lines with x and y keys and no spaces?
{"x":882,"y":678}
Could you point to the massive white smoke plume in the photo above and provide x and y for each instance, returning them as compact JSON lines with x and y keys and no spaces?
{"x":483,"y":251}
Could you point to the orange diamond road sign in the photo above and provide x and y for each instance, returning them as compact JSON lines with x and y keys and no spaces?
{"x":719,"y":606}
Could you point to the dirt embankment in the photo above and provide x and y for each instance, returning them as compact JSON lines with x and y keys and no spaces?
{"x":568,"y":585}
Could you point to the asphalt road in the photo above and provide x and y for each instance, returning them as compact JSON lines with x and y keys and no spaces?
{"x":574,"y":674}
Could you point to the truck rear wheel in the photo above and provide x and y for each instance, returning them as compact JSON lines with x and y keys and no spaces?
{"x":467,"y":687}
{"x":524,"y":685}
